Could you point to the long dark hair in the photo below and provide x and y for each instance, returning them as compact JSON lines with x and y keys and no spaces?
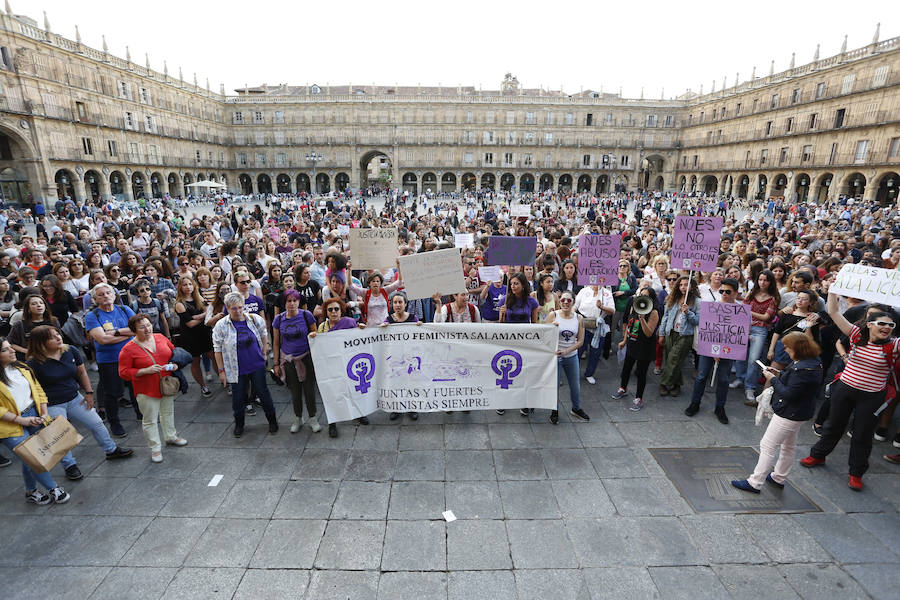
{"x":868,"y":318}
{"x":16,"y":363}
{"x":511,"y":299}
{"x":676,"y":298}
{"x":539,"y":292}
{"x":773,"y":287}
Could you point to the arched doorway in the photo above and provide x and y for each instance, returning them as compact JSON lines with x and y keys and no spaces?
{"x":410,"y":183}
{"x":526,"y":183}
{"x":584,"y":184}
{"x":682,"y":186}
{"x":743,"y":186}
{"x":546,"y":182}
{"x":283,"y":184}
{"x":488,"y":181}
{"x":429,"y":183}
{"x":64,"y":180}
{"x":855,"y":185}
{"x":156,"y":181}
{"x":693,"y":183}
{"x":303,"y":183}
{"x":651,"y":166}
{"x":15,"y":187}
{"x":823,"y":184}
{"x":186,"y":181}
{"x":375,"y":170}
{"x":469,"y":181}
{"x":263,"y":184}
{"x":224,"y":181}
{"x":621,"y":184}
{"x":761,"y":187}
{"x":138,"y":186}
{"x":246,"y":184}
{"x":802,"y":187}
{"x":780,"y":182}
{"x":565,"y":183}
{"x":660,"y":184}
{"x":448,"y":182}
{"x":174,"y":188}
{"x":710,"y":185}
{"x":887,"y":189}
{"x":602,"y":184}
{"x":92,"y":184}
{"x":323,"y":183}
{"x":117,"y":185}
{"x":341,"y":182}
{"x":507,"y":182}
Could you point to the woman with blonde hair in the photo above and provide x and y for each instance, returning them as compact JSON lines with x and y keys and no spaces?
{"x":196,"y":336}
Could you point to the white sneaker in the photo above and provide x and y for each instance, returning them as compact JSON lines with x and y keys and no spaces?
{"x":750,"y":395}
{"x":94,"y":367}
{"x":314,"y":424}
{"x":590,"y":380}
{"x":296,"y":425}
{"x":735,"y":384}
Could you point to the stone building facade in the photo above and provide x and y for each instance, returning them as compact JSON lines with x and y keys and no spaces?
{"x":81,"y":122}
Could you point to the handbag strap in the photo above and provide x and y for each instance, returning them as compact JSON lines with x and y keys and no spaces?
{"x":150,"y":354}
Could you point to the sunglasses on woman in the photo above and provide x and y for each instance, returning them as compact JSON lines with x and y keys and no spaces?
{"x":887,"y":324}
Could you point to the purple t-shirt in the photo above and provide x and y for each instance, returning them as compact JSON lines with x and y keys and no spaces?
{"x":249,"y":353}
{"x":293,"y":331}
{"x":521,"y":313}
{"x":490,"y":309}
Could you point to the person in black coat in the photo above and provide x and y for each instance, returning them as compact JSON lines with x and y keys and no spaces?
{"x":793,"y":402}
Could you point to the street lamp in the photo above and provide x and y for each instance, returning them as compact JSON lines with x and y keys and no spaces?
{"x":314,"y":157}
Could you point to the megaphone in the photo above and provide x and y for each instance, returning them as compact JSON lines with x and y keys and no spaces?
{"x":643,"y":305}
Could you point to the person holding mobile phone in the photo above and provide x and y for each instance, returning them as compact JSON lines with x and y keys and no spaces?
{"x":793,"y":405}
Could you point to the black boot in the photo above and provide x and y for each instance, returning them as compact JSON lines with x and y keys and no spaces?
{"x":273,"y":423}
{"x":239,"y":426}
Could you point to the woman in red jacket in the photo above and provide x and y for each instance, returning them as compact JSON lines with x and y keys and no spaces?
{"x":144,"y":361}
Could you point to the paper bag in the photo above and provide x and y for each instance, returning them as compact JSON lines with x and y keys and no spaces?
{"x":45,"y":448}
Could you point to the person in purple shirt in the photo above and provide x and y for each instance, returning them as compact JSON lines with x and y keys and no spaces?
{"x":252,"y":304}
{"x":520,"y":307}
{"x":293,"y":362}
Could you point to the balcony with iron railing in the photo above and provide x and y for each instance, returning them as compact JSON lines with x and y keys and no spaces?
{"x":791,"y":163}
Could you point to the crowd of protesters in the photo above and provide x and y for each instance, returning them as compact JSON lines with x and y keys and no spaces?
{"x":237,"y":294}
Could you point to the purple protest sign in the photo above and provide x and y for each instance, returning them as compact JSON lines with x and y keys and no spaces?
{"x":695,"y":243}
{"x":724,"y":330}
{"x":598,"y":259}
{"x":507,"y":250}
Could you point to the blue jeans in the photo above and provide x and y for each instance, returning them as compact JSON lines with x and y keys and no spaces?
{"x":239,"y":394}
{"x":30,"y":476}
{"x":76,"y":412}
{"x":748,"y":370}
{"x":593,"y":354}
{"x":704,"y":370}
{"x":569,"y":364}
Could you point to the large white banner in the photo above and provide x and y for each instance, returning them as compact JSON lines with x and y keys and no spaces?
{"x":871,"y":284}
{"x":435,"y":367}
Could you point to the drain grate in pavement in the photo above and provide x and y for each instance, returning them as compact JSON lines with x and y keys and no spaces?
{"x":703,"y":476}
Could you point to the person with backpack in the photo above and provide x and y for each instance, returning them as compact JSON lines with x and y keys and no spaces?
{"x":458,"y":311}
{"x":859,"y":389}
{"x":155,"y":309}
{"x":375,"y":306}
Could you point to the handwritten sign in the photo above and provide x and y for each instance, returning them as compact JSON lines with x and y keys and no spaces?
{"x":486,"y":274}
{"x":598,"y":259}
{"x":520,"y":210}
{"x":426,"y":273}
{"x":871,"y":284}
{"x":508,"y":250}
{"x":695,"y":243}
{"x":343,"y":230}
{"x":464,"y":240}
{"x":724,"y":330}
{"x":373,"y":248}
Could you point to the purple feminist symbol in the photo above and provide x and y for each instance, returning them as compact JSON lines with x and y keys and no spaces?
{"x":507,"y":364}
{"x":361,"y":369}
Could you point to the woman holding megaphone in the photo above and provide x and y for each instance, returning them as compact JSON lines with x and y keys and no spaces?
{"x":639,"y":341}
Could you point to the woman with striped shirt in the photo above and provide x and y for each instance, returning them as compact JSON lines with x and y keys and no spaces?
{"x":859,"y":390}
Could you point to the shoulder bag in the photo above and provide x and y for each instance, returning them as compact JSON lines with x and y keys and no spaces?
{"x":168,"y":386}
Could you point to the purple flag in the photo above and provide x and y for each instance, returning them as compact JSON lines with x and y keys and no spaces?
{"x":598,"y":259}
{"x":724,"y":330}
{"x":507,"y":250}
{"x":695,"y":243}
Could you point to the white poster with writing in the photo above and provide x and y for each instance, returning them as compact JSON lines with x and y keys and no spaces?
{"x":372,"y":248}
{"x":871,"y":284}
{"x":464,"y":240}
{"x":435,"y":367}
{"x":427,"y":273}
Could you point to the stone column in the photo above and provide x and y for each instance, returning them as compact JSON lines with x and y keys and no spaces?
{"x":78,"y":187}
{"x":355,"y":175}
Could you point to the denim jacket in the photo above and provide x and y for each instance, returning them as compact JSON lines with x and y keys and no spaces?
{"x":691,"y":319}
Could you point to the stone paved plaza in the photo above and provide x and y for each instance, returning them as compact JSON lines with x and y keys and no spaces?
{"x":577,"y":511}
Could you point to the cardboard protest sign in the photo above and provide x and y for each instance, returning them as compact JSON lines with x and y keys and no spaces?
{"x":490,"y":273}
{"x":508,"y":250}
{"x":520,"y":210}
{"x":464,"y":240}
{"x":373,"y":248}
{"x":695,"y":243}
{"x":871,"y":284}
{"x":343,"y":230}
{"x":598,"y":259}
{"x":426,"y":273}
{"x":724,"y":330}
